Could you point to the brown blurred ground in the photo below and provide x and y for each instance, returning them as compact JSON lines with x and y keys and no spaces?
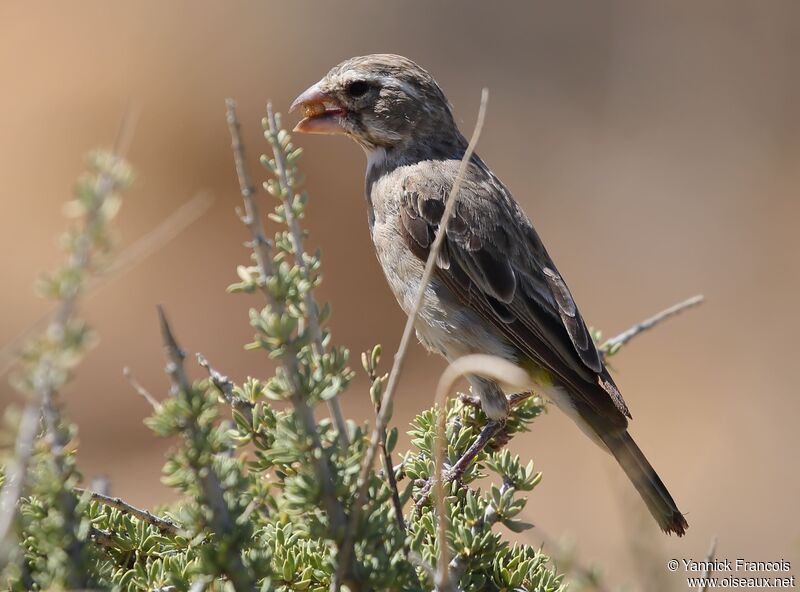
{"x":655,"y":145}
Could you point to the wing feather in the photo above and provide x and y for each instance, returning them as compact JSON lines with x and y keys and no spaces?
{"x":495,"y":263}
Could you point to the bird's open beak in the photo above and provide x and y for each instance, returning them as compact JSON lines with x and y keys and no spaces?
{"x":322,"y":114}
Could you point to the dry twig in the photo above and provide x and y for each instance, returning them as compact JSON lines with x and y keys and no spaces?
{"x":709,"y":568}
{"x":612,"y":345}
{"x":162,"y":524}
{"x":140,"y":390}
{"x":399,"y":358}
{"x":225,"y":386}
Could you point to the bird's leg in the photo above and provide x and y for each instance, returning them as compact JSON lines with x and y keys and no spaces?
{"x":487,"y":433}
{"x":455,"y":472}
{"x":495,"y":403}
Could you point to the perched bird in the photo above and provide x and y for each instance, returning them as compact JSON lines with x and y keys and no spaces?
{"x":495,"y":289}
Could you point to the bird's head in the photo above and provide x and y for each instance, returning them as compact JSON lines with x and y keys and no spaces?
{"x":381,"y":101}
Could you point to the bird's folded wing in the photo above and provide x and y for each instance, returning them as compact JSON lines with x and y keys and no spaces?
{"x":494,"y":262}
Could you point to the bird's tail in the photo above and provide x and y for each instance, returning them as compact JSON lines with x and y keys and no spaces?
{"x":647,"y":483}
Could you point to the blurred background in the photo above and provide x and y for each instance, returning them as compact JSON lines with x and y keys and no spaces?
{"x":654,"y":144}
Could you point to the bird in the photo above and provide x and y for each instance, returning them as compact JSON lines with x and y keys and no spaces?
{"x":495,"y":289}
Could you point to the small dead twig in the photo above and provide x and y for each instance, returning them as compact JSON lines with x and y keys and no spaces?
{"x":399,"y":358}
{"x":368,"y":360}
{"x":712,"y":550}
{"x":164,"y":525}
{"x":140,"y":390}
{"x":225,"y":386}
{"x":611,"y":346}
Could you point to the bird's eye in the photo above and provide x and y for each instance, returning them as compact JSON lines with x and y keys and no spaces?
{"x":357,"y":88}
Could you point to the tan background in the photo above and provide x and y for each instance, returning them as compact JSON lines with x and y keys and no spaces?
{"x":655,"y":145}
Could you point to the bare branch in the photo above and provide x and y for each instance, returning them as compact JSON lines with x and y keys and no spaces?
{"x":140,"y":390}
{"x":288,"y":193}
{"x":252,"y":217}
{"x":164,"y":525}
{"x":225,"y":386}
{"x":612,"y":345}
{"x":369,"y":360}
{"x":709,"y":561}
{"x":399,"y":358}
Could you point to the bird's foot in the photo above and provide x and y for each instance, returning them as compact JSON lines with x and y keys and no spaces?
{"x":456,"y":472}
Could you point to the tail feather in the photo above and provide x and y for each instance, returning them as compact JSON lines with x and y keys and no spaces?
{"x":647,"y":483}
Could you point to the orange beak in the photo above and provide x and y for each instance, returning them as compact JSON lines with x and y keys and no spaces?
{"x":322,"y":113}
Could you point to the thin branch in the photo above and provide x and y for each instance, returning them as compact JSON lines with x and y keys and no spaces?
{"x":369,"y":360}
{"x":612,"y":345}
{"x":399,"y":358}
{"x":225,"y":386}
{"x":164,"y":525}
{"x":15,"y":478}
{"x":703,"y":586}
{"x":212,"y":490}
{"x":252,"y":217}
{"x":263,"y":253}
{"x":288,"y":193}
{"x":140,"y":390}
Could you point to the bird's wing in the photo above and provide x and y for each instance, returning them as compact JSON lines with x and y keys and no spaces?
{"x":494,"y":262}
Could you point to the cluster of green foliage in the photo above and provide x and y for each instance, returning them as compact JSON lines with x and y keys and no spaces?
{"x":266,"y":491}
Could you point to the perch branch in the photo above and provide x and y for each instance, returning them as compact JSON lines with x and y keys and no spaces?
{"x":612,"y":345}
{"x":162,"y":524}
{"x":399,"y":358}
{"x":312,"y":310}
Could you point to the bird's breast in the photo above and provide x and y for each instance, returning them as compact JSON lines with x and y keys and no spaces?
{"x":443,"y":325}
